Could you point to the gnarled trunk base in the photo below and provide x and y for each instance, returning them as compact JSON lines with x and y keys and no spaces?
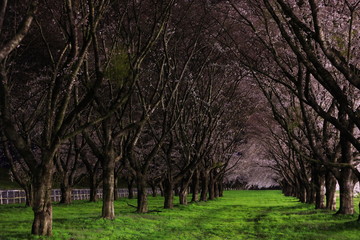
{"x":42,"y":208}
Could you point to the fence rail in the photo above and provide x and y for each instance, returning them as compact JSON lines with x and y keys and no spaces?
{"x":19,"y":196}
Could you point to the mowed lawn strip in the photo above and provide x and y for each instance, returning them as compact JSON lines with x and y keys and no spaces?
{"x":238,"y":215}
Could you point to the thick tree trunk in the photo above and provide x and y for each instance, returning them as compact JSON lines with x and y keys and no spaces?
{"x":330,"y":184}
{"x":42,"y":224}
{"x":346,"y":176}
{"x":346,"y":185}
{"x":204,"y":185}
{"x":108,"y":210}
{"x":168,"y":193}
{"x":195,"y":187}
{"x":320,"y":191}
{"x":142,"y":204}
{"x":65,"y":194}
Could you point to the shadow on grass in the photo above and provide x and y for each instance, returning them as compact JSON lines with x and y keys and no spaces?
{"x":346,"y":225}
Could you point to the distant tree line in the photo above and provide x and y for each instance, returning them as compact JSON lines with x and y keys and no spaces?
{"x":305,"y":58}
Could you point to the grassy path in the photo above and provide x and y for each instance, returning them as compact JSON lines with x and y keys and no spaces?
{"x":239,"y":215}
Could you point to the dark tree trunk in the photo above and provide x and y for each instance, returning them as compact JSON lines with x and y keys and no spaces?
{"x":130,"y":183}
{"x":204,"y":185}
{"x":153,"y":190}
{"x":42,"y":224}
{"x":93,"y":188}
{"x":211,"y":186}
{"x":221,"y":189}
{"x":320,"y":190}
{"x":309,"y":192}
{"x":346,"y":185}
{"x":195,"y":187}
{"x":168,"y":193}
{"x":108,"y":210}
{"x":216,"y":190}
{"x":302,"y":194}
{"x":330,"y":184}
{"x":289,"y":190}
{"x":142,"y":204}
{"x":29,"y":195}
{"x":346,"y":176}
{"x":286,"y":189}
{"x":65,"y":194}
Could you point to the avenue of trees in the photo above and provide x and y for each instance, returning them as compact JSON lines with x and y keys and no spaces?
{"x":166,"y":93}
{"x":101,"y":90}
{"x":304,"y":57}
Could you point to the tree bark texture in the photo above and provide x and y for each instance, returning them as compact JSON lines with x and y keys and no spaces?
{"x":66,"y":193}
{"x":29,"y":193}
{"x":183,"y":196}
{"x":168,"y":194}
{"x":346,"y":185}
{"x":320,"y":191}
{"x":108,"y":210}
{"x":195,"y":187}
{"x":93,"y":189}
{"x":142,"y":203}
{"x":346,"y":176}
{"x":211,"y":186}
{"x":204,"y":186}
{"x":330,"y":184}
{"x":42,"y":208}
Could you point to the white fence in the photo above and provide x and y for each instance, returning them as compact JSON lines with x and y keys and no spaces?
{"x":18,"y":196}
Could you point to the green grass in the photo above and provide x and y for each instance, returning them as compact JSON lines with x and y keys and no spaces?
{"x":238,"y":215}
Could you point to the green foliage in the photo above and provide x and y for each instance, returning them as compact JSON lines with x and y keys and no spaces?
{"x":238,"y":215}
{"x":118,"y":70}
